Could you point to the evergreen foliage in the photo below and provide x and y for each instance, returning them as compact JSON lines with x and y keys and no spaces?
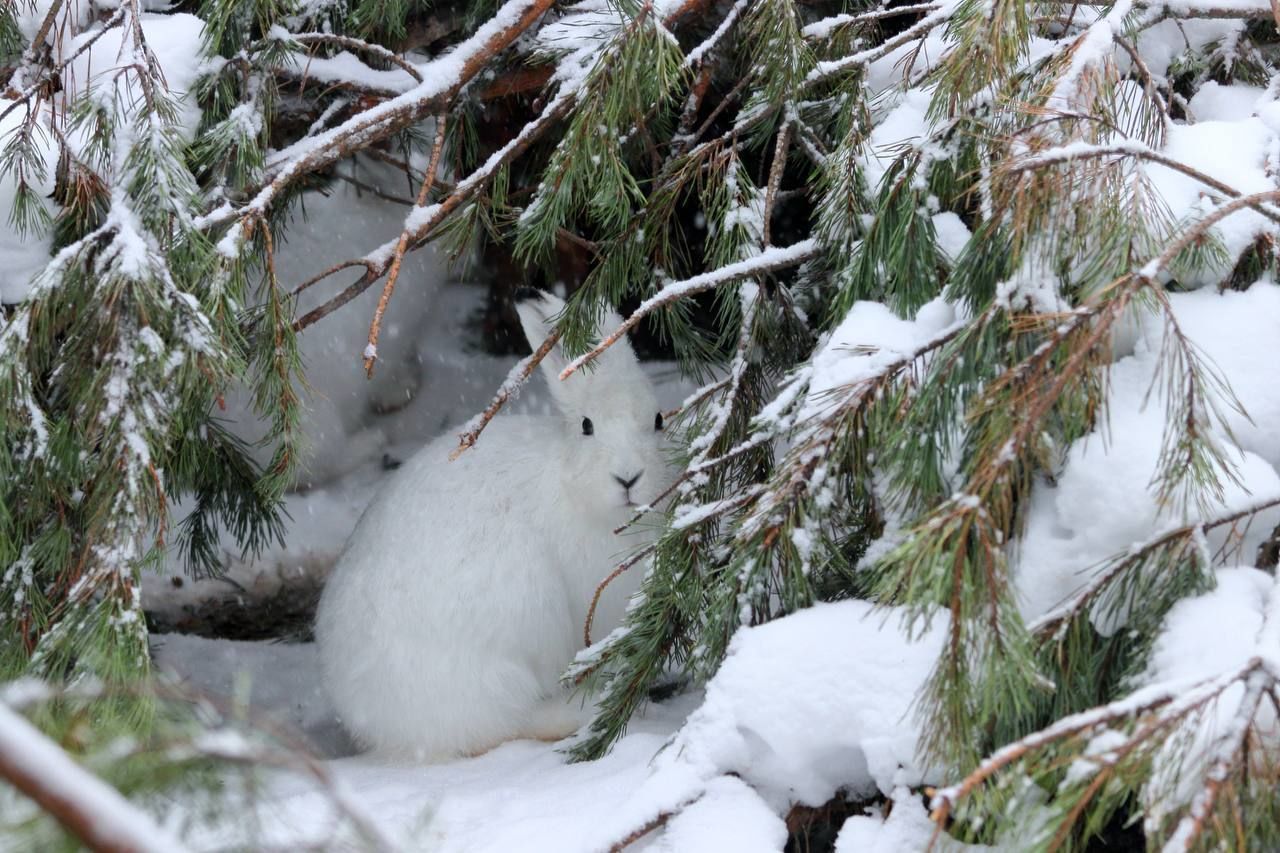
{"x":715,"y":159}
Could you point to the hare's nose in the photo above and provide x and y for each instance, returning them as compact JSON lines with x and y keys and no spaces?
{"x":625,"y":483}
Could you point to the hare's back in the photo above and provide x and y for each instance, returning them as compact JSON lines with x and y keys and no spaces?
{"x":436,"y":514}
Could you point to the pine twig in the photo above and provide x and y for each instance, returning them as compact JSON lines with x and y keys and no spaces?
{"x":1055,"y":620}
{"x":1177,"y":698}
{"x":353,"y":43}
{"x":1131,"y":148}
{"x":86,"y":806}
{"x":389,"y":117}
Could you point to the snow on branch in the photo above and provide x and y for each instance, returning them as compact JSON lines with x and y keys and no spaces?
{"x":1228,"y":11}
{"x":442,"y":80}
{"x":828,"y":69}
{"x":769,"y":260}
{"x":421,"y":221}
{"x":1081,"y":150}
{"x":1174,"y":698}
{"x":1057,"y":619}
{"x":823,"y":28}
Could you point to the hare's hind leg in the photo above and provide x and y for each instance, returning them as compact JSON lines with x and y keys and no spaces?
{"x":555,"y":719}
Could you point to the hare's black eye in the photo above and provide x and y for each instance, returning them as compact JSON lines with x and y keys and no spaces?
{"x":588,"y":428}
{"x":657,"y":422}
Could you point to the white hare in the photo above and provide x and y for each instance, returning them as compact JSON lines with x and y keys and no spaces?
{"x":461,"y":594}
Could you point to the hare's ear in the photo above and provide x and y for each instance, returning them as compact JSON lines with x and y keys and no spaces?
{"x":538,"y":311}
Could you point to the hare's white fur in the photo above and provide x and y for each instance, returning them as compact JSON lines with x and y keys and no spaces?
{"x":461,"y":595}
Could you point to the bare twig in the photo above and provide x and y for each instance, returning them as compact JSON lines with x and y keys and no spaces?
{"x":397,"y":257}
{"x":610,"y":578}
{"x":519,"y":375}
{"x":354,"y":262}
{"x":372,"y":190}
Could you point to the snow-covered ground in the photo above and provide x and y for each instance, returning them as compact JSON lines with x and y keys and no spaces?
{"x":703,"y":771}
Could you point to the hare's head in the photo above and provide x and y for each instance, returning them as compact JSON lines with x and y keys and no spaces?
{"x":613,"y":429}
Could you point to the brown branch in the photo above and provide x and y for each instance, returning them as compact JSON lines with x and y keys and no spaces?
{"x":375,"y":326}
{"x":725,"y":102}
{"x":775,"y":177}
{"x":517,"y":82}
{"x":578,"y":240}
{"x":656,"y":823}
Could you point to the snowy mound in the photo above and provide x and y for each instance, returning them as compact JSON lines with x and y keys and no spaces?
{"x":814,"y":703}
